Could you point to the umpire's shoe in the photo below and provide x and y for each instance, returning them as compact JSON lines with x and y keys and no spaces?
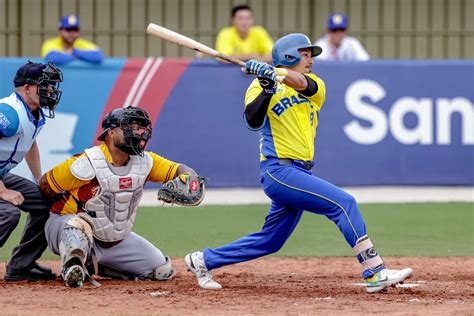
{"x":385,"y":278}
{"x":195,"y":263}
{"x":34,"y":273}
{"x":74,"y":273}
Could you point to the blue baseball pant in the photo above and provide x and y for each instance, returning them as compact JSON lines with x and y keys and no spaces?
{"x":292,"y":190}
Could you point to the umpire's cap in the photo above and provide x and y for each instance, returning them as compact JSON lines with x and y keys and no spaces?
{"x":29,"y":73}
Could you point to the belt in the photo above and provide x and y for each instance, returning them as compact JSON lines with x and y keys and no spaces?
{"x":308,"y":165}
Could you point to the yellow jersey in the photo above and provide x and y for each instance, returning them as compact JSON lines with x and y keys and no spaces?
{"x":55,"y":44}
{"x":290,"y":126}
{"x":77,"y":192}
{"x":258,"y":41}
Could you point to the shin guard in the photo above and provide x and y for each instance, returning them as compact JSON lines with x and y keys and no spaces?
{"x":368,"y":256}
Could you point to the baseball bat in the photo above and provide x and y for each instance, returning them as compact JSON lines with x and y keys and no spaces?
{"x":184,"y":41}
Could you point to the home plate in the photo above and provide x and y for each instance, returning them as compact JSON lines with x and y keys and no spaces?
{"x":403,"y":286}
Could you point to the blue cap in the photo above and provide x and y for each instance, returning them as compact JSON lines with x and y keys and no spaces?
{"x":69,"y":21}
{"x":337,"y":21}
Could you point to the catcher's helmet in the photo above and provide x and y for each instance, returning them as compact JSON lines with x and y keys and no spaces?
{"x":285,"y":52}
{"x":47,"y":78}
{"x":136,"y":126}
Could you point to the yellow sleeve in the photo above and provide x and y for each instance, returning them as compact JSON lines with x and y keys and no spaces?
{"x":224,"y":42}
{"x":320,"y":96}
{"x":252,"y":92}
{"x":60,"y":178}
{"x":163,"y":169}
{"x":84,"y":44}
{"x":48,"y":46}
{"x":265,"y":41}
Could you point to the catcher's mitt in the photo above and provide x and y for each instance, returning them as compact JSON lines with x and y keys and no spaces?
{"x":186,"y":190}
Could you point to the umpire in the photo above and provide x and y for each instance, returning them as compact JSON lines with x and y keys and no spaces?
{"x":22,"y":116}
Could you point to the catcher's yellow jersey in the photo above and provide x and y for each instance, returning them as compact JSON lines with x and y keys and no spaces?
{"x":258,"y":41}
{"x":77,"y":192}
{"x":290,"y":126}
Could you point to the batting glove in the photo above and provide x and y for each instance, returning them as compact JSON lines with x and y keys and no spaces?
{"x":268,"y":81}
{"x":266,"y":71}
{"x":253,"y":66}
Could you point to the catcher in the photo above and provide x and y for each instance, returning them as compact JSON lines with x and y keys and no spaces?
{"x":98,"y":193}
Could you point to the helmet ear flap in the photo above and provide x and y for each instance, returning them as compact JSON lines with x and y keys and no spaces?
{"x":290,"y":58}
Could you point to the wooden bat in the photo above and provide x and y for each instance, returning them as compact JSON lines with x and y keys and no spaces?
{"x":184,"y":41}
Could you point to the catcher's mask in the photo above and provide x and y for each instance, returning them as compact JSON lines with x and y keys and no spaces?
{"x":135,"y":124}
{"x":47,"y":79}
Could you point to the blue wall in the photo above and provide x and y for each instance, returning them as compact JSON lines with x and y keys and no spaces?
{"x":383,"y":123}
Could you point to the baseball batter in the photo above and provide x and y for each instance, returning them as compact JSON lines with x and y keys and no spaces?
{"x":99,"y":191}
{"x":287,"y":116}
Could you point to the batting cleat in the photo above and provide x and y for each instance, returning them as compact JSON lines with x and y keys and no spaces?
{"x":385,"y":278}
{"x":195,"y":263}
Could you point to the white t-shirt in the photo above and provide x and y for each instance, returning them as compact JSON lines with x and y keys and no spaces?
{"x":350,"y":49}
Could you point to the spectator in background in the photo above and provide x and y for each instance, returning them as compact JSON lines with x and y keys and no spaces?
{"x":337,"y":45}
{"x":243,"y":40}
{"x":68,"y":46}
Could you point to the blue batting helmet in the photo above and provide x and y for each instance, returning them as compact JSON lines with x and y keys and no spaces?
{"x":285,"y":52}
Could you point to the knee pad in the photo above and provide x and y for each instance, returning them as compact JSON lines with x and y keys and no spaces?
{"x":82,"y":222}
{"x":365,"y":252}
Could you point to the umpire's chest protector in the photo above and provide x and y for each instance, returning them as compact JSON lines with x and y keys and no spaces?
{"x":114,"y":207}
{"x":13,"y":149}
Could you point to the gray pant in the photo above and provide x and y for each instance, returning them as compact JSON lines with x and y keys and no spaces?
{"x":134,"y":255}
{"x":33,"y":241}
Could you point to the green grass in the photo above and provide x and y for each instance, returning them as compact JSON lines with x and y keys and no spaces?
{"x":420,"y":229}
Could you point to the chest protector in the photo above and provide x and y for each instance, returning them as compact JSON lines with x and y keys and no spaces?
{"x":114,"y":207}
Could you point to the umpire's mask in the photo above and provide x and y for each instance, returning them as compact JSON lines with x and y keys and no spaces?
{"x":47,"y":78}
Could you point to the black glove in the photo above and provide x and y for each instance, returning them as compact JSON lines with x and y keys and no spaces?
{"x":186,"y":190}
{"x":268,"y":82}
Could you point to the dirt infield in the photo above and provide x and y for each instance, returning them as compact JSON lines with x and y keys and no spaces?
{"x":270,"y":286}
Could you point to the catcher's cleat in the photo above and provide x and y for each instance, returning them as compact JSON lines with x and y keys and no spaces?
{"x":195,"y":263}
{"x":74,"y":276}
{"x":385,"y":278}
{"x":73,"y":273}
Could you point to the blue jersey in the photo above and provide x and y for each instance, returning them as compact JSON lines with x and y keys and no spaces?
{"x":18,"y":131}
